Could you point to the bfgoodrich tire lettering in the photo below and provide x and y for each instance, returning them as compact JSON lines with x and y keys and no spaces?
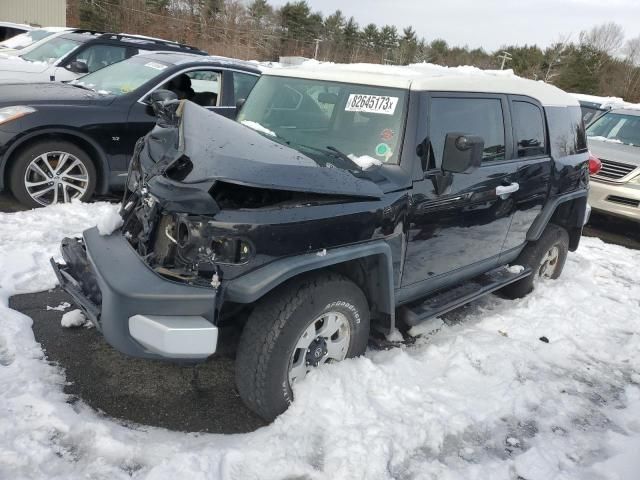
{"x":275,"y":327}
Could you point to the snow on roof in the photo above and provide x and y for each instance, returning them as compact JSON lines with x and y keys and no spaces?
{"x":428,"y":76}
{"x":606,"y":102}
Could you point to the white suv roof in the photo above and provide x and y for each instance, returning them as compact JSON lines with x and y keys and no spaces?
{"x":429,"y":77}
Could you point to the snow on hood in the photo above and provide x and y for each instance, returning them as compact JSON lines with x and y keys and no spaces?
{"x":478,"y":397}
{"x":17,"y":64}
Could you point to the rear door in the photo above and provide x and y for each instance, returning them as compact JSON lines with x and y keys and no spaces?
{"x":533,"y":167}
{"x":458,"y":222}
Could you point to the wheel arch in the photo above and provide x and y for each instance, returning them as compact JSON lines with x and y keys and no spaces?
{"x":85,"y":142}
{"x":567,"y":211}
{"x":368,"y":265}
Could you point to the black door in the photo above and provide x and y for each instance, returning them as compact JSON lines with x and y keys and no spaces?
{"x":533,"y":168}
{"x":458,"y":222}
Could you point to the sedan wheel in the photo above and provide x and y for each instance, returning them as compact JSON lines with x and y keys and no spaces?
{"x":50,"y":172}
{"x":55,"y":177}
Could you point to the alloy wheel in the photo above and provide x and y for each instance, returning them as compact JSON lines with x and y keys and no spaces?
{"x":325,"y":340}
{"x":56,"y":177}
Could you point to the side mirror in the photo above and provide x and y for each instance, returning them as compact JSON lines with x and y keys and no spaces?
{"x":462,"y":152}
{"x":78,"y":66}
{"x":164,"y":104}
{"x":240,"y":103}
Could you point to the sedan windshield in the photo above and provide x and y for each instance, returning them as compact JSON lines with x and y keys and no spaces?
{"x":332,"y":119}
{"x":122,"y":77}
{"x":616,"y":128}
{"x":51,"y":51}
{"x":25,"y":39}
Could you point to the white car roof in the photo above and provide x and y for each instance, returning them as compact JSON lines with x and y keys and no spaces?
{"x":429,"y":77}
{"x":20,"y":26}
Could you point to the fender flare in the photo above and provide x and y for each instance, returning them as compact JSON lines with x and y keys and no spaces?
{"x":541,"y":221}
{"x":254,"y":285}
{"x":102,"y":165}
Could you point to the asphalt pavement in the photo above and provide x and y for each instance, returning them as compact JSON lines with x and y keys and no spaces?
{"x":164,"y":394}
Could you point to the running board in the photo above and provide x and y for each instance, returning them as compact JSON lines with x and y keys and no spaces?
{"x":447,"y":300}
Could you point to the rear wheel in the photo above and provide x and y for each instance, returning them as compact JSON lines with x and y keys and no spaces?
{"x":51,"y":172}
{"x":545,"y":257}
{"x":321,"y":319}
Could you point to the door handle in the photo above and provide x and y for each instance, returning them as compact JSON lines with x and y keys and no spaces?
{"x":503,"y":191}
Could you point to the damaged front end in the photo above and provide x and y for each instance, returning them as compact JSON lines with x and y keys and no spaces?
{"x":195,"y":164}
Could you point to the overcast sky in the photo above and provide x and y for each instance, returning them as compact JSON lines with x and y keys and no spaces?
{"x":488,"y":23}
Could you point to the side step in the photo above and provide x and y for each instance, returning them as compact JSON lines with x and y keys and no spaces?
{"x":447,"y":300}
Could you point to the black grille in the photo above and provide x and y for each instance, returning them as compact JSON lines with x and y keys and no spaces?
{"x":614,"y":170}
{"x":623,"y":201}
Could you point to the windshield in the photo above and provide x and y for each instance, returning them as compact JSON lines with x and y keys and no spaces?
{"x":51,"y":51}
{"x":362,"y":122}
{"x":25,"y":39}
{"x":616,"y":128}
{"x":122,"y":77}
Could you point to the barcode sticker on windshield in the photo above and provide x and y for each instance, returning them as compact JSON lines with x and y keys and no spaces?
{"x":371,"y":104}
{"x":156,"y":66}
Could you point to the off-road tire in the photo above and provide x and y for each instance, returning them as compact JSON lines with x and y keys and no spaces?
{"x":24,"y":158}
{"x":274,"y":326}
{"x":532,"y":257}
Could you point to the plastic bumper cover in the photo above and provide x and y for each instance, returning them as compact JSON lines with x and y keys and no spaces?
{"x":622,"y":200}
{"x":139,"y":313}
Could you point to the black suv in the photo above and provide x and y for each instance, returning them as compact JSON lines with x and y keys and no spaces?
{"x":93,"y":123}
{"x":339,"y":204}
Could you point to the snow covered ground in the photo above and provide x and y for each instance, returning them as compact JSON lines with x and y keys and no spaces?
{"x":479,"y":398}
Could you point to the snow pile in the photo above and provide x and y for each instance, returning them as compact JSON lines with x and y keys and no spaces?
{"x":74,"y":318}
{"x":60,"y":308}
{"x":425,"y":69}
{"x":365,"y":162}
{"x":480,"y":397}
{"x":606,"y":102}
{"x":110,"y":222}
{"x":258,"y":128}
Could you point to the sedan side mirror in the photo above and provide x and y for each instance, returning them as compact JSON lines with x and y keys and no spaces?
{"x":78,"y":66}
{"x":462,"y":152}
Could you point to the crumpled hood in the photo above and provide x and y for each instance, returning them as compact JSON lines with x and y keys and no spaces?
{"x":616,"y":152}
{"x":222,"y":149}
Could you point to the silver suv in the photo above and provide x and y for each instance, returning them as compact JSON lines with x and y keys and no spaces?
{"x":615,"y":139}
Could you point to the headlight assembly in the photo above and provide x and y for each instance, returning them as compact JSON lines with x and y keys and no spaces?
{"x":8,"y":114}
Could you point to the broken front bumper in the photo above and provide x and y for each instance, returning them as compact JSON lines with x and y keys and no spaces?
{"x":138,"y":312}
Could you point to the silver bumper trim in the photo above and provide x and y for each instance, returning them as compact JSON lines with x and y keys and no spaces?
{"x":180,"y":337}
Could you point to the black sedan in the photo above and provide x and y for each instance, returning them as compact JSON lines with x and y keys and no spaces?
{"x":64,"y":141}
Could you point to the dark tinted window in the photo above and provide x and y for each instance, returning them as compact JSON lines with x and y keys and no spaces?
{"x":566,"y":131}
{"x":242,"y":84}
{"x":529,"y":129}
{"x":473,"y":116}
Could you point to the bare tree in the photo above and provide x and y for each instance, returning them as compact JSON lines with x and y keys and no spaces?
{"x":606,"y":38}
{"x":631,"y":67}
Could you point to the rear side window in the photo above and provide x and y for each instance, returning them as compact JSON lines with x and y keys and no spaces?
{"x":473,"y":116}
{"x":566,"y":131}
{"x":242,"y":84}
{"x":529,"y":129}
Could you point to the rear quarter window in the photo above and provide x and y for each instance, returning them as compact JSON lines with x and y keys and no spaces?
{"x":566,"y":131}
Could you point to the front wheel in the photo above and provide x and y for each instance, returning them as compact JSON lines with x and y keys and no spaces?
{"x":545,"y":257}
{"x":51,"y":172}
{"x":321,"y":319}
